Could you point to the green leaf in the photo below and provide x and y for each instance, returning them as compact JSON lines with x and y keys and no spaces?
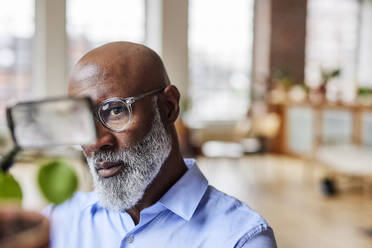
{"x":9,"y":188}
{"x":57,"y":181}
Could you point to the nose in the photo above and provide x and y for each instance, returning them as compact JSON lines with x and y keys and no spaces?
{"x":105,"y":140}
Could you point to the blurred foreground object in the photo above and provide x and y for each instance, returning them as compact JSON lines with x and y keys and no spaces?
{"x":52,"y":122}
{"x":41,"y":125}
{"x":22,"y":229}
{"x":48,"y":123}
{"x":10,"y":191}
{"x":57,"y":181}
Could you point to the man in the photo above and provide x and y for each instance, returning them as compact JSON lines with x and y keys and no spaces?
{"x":146,"y":194}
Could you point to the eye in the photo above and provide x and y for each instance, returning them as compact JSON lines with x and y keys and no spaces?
{"x":116,"y":111}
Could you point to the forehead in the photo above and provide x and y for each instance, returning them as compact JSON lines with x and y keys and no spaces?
{"x":99,"y":82}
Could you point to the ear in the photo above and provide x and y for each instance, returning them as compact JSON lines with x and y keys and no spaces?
{"x":171,"y":97}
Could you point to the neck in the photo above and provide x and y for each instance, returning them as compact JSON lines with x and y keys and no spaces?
{"x":170,"y":172}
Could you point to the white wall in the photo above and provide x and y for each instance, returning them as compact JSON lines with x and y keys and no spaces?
{"x":49,"y":61}
{"x":365,"y":49}
{"x":167,"y":28}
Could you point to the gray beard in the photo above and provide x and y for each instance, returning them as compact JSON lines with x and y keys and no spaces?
{"x":142,"y":162}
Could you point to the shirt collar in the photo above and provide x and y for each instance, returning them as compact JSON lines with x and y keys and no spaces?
{"x":191,"y":186}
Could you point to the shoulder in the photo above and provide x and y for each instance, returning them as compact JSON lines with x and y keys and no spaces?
{"x":230,"y":208}
{"x":230,"y":216}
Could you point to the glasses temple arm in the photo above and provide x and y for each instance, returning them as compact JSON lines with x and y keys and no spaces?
{"x":135,"y":98}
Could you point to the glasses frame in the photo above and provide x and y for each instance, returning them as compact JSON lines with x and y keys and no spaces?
{"x":128,"y":101}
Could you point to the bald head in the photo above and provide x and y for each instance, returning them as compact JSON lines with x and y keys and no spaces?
{"x":126,"y":66}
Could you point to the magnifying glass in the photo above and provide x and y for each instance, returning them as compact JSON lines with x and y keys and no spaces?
{"x":49,"y":123}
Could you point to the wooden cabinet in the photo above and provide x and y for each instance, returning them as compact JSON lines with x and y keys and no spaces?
{"x":338,"y":137}
{"x":306,"y":126}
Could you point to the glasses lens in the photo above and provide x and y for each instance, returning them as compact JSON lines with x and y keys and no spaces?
{"x":115,"y":114}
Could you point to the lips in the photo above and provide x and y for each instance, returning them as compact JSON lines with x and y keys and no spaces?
{"x":109,"y":169}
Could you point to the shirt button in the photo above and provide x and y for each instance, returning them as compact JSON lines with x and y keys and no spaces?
{"x":130,"y":239}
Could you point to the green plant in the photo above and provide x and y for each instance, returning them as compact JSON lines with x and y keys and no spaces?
{"x":185,"y":105}
{"x":364,"y":92}
{"x":329,"y":74}
{"x":56,"y":179}
{"x":9,"y":188}
{"x":304,"y":87}
{"x":282,"y":78}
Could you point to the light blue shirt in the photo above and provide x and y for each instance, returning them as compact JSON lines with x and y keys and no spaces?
{"x":191,"y":214}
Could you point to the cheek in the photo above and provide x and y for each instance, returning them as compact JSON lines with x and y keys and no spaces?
{"x":86,"y":152}
{"x":139,"y":127}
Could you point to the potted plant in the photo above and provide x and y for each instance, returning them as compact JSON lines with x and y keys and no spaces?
{"x":318,"y":95}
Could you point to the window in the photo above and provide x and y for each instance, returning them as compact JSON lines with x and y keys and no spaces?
{"x":16,"y":32}
{"x":332,"y":43}
{"x":220,"y":55}
{"x":91,"y":23}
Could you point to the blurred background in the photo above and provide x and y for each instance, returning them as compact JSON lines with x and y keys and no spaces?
{"x":276,"y":97}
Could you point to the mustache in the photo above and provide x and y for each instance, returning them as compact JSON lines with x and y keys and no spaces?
{"x":124,"y":155}
{"x":107,"y":156}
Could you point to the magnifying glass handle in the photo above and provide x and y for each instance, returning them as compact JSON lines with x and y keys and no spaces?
{"x":8,"y":160}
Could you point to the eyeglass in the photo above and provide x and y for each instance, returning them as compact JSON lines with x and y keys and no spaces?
{"x":116,"y":113}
